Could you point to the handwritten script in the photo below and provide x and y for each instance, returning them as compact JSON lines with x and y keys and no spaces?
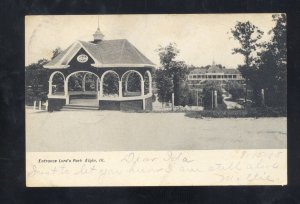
{"x":224,"y":167}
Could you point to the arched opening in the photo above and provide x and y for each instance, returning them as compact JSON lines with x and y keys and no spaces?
{"x":56,"y":83}
{"x":148,"y":83}
{"x":75,"y":82}
{"x":132,"y":84}
{"x":90,"y":82}
{"x":82,"y":88}
{"x":110,"y":84}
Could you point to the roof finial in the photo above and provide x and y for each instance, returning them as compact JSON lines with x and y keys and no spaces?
{"x":98,"y":36}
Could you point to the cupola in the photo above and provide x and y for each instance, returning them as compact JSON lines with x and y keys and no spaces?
{"x":98,"y":35}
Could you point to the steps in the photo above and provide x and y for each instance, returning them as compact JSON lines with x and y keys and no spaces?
{"x":72,"y":107}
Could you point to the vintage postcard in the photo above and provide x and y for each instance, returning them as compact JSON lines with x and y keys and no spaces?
{"x":156,"y":100}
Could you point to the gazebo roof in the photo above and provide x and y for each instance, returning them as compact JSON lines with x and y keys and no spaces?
{"x":106,"y":53}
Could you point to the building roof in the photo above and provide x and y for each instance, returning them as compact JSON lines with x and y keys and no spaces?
{"x":231,"y":71}
{"x":199,"y":71}
{"x":106,"y":53}
{"x":214,"y":69}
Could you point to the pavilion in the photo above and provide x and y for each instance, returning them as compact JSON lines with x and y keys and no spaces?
{"x":107,"y":74}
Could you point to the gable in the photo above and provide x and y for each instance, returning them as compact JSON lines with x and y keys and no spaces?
{"x":79,"y":60}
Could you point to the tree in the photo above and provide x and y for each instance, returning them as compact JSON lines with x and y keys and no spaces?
{"x":36,"y":79}
{"x":164,"y":85}
{"x":56,"y":52}
{"x":175,"y":71}
{"x":36,"y":82}
{"x":273,"y":64}
{"x":248,"y":35}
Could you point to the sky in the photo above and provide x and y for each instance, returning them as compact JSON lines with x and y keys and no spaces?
{"x":200,"y":38}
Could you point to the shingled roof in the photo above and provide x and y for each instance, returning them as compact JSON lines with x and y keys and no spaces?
{"x":106,"y":53}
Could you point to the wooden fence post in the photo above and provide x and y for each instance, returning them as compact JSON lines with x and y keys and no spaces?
{"x":216,"y":99}
{"x":262,"y":97}
{"x":172,"y":101}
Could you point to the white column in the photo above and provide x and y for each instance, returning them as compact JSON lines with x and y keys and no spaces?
{"x":126,"y":82}
{"x":144,"y":104}
{"x":97,"y":85}
{"x":66,"y":87}
{"x":101,"y":89}
{"x":83,"y":83}
{"x":66,"y":91}
{"x":97,"y":88}
{"x":150,"y":85}
{"x":34,"y":105}
{"x":40,"y":105}
{"x":142,"y":87}
{"x":120,"y":89}
{"x":50,"y":88}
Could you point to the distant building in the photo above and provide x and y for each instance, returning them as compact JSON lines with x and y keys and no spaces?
{"x":197,"y":76}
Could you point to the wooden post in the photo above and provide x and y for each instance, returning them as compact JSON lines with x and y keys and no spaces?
{"x":46,"y":105}
{"x":246,"y":93}
{"x":197,"y":98}
{"x":216,"y":99}
{"x":172,"y":101}
{"x":212,"y":99}
{"x":262,"y":97}
{"x":34,"y":105}
{"x":40,"y":105}
{"x":144,"y":104}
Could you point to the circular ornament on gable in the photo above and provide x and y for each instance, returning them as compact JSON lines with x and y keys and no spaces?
{"x":82,"y":58}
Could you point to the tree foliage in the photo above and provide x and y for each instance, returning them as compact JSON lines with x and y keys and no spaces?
{"x":264,"y":63}
{"x":248,"y":36}
{"x":36,"y":79}
{"x":171,"y":74}
{"x":36,"y":82}
{"x":164,"y":85}
{"x":273,"y":64}
{"x":56,"y":52}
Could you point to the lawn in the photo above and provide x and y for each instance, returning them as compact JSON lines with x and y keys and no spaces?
{"x":119,"y":131}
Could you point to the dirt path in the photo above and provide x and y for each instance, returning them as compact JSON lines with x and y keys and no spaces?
{"x":116,"y":131}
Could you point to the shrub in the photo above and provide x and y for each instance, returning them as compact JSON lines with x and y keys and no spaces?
{"x":242,"y":113}
{"x":153,"y":98}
